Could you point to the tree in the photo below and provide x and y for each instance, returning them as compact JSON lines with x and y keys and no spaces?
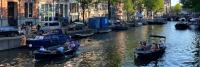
{"x":154,"y":6}
{"x":139,"y":5}
{"x":130,"y":8}
{"x":191,"y":4}
{"x":159,"y":6}
{"x":84,"y":5}
{"x":110,"y":4}
{"x":177,"y":8}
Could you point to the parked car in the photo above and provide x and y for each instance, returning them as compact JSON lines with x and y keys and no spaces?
{"x":9,"y":31}
{"x":51,"y":25}
{"x":76,"y":26}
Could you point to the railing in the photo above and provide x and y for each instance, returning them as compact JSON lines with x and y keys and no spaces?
{"x":10,"y":42}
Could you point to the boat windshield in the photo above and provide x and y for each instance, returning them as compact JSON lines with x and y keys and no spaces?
{"x":39,"y":37}
{"x":156,"y":39}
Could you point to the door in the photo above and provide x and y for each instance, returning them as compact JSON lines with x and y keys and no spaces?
{"x":12,"y":13}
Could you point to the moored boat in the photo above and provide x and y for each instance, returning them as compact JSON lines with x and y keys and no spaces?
{"x":84,"y":33}
{"x":157,"y":21}
{"x":118,"y":26}
{"x":104,"y":30}
{"x":47,"y":40}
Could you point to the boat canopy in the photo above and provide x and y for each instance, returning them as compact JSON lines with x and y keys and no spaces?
{"x":157,"y":36}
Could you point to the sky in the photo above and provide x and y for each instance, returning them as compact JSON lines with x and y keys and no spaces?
{"x":174,"y":2}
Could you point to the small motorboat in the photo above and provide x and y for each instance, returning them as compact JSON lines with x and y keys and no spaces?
{"x":52,"y":52}
{"x":157,"y":21}
{"x":181,"y":25}
{"x":148,"y":51}
{"x":106,"y":30}
{"x":84,"y":33}
{"x":119,"y":26}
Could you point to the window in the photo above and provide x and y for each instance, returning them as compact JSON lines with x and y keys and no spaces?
{"x":74,"y":7}
{"x":28,"y":10}
{"x":59,"y":11}
{"x":46,"y":24}
{"x":49,"y":13}
{"x":46,"y":12}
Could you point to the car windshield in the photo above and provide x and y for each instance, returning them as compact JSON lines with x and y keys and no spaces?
{"x":53,"y":24}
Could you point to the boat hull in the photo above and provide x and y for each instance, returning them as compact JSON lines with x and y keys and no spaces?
{"x":150,"y":55}
{"x":118,"y":28}
{"x":181,"y":26}
{"x":104,"y":30}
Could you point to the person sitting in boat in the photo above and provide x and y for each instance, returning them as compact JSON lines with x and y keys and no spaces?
{"x":71,"y":45}
{"x":155,"y":47}
{"x":161,"y":43}
{"x":143,"y":45}
{"x":60,"y":49}
{"x":42,"y":49}
{"x":77,"y":44}
{"x":140,"y":44}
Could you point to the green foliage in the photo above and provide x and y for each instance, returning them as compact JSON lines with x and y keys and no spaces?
{"x":129,"y":6}
{"x":114,"y":1}
{"x":191,"y":4}
{"x":85,"y":3}
{"x":177,"y":8}
{"x":160,"y":5}
{"x":139,"y":3}
{"x":154,"y":5}
{"x":111,"y":1}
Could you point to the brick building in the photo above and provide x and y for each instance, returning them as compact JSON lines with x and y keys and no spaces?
{"x":17,"y":12}
{"x":14,"y":11}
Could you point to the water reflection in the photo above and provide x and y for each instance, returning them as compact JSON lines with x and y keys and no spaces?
{"x":115,"y":49}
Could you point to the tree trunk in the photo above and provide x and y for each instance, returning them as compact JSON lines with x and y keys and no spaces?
{"x":109,"y":9}
{"x":152,"y":14}
{"x":127,"y":18}
{"x":84,"y":15}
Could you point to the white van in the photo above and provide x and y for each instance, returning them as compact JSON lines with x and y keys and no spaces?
{"x":51,"y":25}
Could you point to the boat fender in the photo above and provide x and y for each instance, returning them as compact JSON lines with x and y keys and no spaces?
{"x":30,"y":45}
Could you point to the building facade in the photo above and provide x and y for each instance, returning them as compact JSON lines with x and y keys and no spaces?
{"x":32,"y":12}
{"x":167,"y":7}
{"x":15,"y":12}
{"x":53,"y":11}
{"x":120,"y":11}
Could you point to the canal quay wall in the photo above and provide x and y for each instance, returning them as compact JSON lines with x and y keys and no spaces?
{"x":10,"y":42}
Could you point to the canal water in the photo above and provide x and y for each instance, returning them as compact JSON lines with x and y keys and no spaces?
{"x":116,"y":49}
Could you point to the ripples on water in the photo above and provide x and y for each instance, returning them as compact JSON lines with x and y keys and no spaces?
{"x":115,"y":49}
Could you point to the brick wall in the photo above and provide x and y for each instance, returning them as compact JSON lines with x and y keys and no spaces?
{"x":20,"y":10}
